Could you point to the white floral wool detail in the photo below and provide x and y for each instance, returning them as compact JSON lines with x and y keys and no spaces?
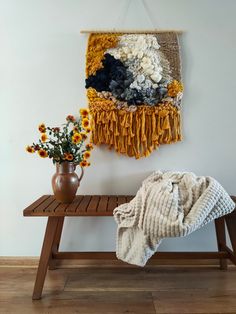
{"x":140,"y":53}
{"x":170,"y":204}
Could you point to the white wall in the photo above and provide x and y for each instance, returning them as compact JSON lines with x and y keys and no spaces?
{"x":42,"y":60}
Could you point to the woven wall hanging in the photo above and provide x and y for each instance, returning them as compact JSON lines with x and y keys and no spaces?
{"x":134,"y":90}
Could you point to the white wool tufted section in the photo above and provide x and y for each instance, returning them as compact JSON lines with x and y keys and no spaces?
{"x":141,"y":54}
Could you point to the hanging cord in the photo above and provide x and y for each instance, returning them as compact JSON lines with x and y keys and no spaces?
{"x":149,"y":15}
{"x":121,"y":18}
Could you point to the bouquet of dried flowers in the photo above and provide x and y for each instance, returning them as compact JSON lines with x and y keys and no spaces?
{"x":66,"y":143}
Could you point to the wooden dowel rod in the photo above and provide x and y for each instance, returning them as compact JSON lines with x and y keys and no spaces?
{"x":130,"y":31}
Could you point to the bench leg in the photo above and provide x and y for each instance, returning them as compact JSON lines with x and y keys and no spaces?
{"x":221,"y":239}
{"x":45,"y":256}
{"x":231,"y":226}
{"x":56,"y":242}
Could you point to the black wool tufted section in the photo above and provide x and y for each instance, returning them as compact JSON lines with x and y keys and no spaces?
{"x":115,"y":77}
{"x":113,"y":70}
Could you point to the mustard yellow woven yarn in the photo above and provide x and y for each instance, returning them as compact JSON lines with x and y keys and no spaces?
{"x":97,"y":45}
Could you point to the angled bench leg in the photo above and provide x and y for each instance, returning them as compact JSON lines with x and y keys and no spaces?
{"x":45,"y":256}
{"x":231,"y":226}
{"x":56,"y":242}
{"x":221,"y":239}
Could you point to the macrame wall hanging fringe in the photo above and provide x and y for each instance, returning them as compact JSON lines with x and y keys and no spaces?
{"x":134,"y":90}
{"x":135,"y":134}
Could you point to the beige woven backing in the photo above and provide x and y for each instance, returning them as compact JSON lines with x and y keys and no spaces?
{"x":170,"y":47}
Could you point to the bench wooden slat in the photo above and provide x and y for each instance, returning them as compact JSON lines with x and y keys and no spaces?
{"x":102,"y":206}
{"x":93,"y":204}
{"x":73,"y":206}
{"x":52,"y":207}
{"x":43,"y":206}
{"x":61,"y":209}
{"x":83,"y":204}
{"x":28,"y":210}
{"x":112,"y":203}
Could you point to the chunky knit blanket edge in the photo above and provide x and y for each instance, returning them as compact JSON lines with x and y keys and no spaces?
{"x":169,"y":204}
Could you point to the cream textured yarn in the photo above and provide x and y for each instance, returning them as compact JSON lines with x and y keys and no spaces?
{"x":169,"y":204}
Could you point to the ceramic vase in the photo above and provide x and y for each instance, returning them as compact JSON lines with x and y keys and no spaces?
{"x":65,"y":182}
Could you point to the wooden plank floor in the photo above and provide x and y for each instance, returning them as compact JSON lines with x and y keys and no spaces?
{"x":150,"y":290}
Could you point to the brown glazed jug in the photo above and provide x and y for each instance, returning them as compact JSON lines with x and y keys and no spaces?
{"x":65,"y":182}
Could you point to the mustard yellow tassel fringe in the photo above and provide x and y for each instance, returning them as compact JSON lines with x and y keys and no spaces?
{"x":135,"y":134}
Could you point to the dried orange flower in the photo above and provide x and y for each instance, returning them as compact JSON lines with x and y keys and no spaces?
{"x":65,"y":144}
{"x":85,"y":123}
{"x":84,"y":136}
{"x":42,"y":128}
{"x":42,"y":153}
{"x":76,"y":138}
{"x":70,"y":118}
{"x":84,"y":112}
{"x":44,"y":137}
{"x":30,"y":149}
{"x":86,"y":155}
{"x":89,"y":146}
{"x":69,"y":157}
{"x":84,"y":163}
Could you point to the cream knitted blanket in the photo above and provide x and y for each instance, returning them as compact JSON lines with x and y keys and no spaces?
{"x":170,"y":204}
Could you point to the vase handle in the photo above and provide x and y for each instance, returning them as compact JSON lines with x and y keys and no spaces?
{"x":82,"y":173}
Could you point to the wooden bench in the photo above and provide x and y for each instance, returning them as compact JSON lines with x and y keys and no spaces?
{"x":103,"y":205}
